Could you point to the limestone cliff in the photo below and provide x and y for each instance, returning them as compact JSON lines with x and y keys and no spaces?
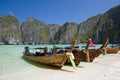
{"x":9,"y":30}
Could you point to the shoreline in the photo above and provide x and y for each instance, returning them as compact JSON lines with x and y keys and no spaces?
{"x":102,"y":68}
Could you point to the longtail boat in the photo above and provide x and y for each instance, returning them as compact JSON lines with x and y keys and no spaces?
{"x":113,"y":50}
{"x":88,"y":55}
{"x":93,"y":53}
{"x":56,"y":60}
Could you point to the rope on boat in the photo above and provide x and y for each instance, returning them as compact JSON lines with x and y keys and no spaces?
{"x":102,"y":52}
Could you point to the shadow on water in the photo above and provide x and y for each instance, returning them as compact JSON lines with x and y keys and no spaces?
{"x":39,"y":65}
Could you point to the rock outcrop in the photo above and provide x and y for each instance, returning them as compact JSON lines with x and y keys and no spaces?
{"x":9,"y":30}
{"x":37,"y":32}
{"x":67,"y":33}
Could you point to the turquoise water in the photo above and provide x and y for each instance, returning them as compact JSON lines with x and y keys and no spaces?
{"x":11,"y":60}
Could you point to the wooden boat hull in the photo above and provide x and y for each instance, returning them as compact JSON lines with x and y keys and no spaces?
{"x":56,"y":60}
{"x":76,"y":60}
{"x":80,"y":56}
{"x":93,"y":53}
{"x":113,"y":50}
{"x":89,"y":55}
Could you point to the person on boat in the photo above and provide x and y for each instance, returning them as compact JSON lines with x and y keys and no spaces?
{"x":54,"y":50}
{"x":26,"y":51}
{"x":46,"y":51}
{"x":91,"y":43}
{"x":61,"y":51}
{"x":37,"y":53}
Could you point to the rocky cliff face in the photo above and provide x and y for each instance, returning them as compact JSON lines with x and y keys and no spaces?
{"x":52,"y":30}
{"x":37,"y":32}
{"x":9,"y":30}
{"x":34,"y":31}
{"x":98,"y":28}
{"x":67,"y":33}
{"x":95,"y":28}
{"x":114,"y":30}
{"x":102,"y":26}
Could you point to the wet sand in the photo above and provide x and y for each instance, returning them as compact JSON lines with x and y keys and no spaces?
{"x":102,"y":68}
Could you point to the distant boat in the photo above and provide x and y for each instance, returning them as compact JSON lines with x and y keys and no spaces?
{"x":115,"y":44}
{"x":113,"y":50}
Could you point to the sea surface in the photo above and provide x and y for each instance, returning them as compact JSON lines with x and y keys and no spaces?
{"x":11,"y":60}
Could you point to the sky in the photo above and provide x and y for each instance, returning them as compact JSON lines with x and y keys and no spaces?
{"x":55,"y":11}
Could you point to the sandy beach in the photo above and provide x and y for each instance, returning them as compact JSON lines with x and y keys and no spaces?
{"x":102,"y":68}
